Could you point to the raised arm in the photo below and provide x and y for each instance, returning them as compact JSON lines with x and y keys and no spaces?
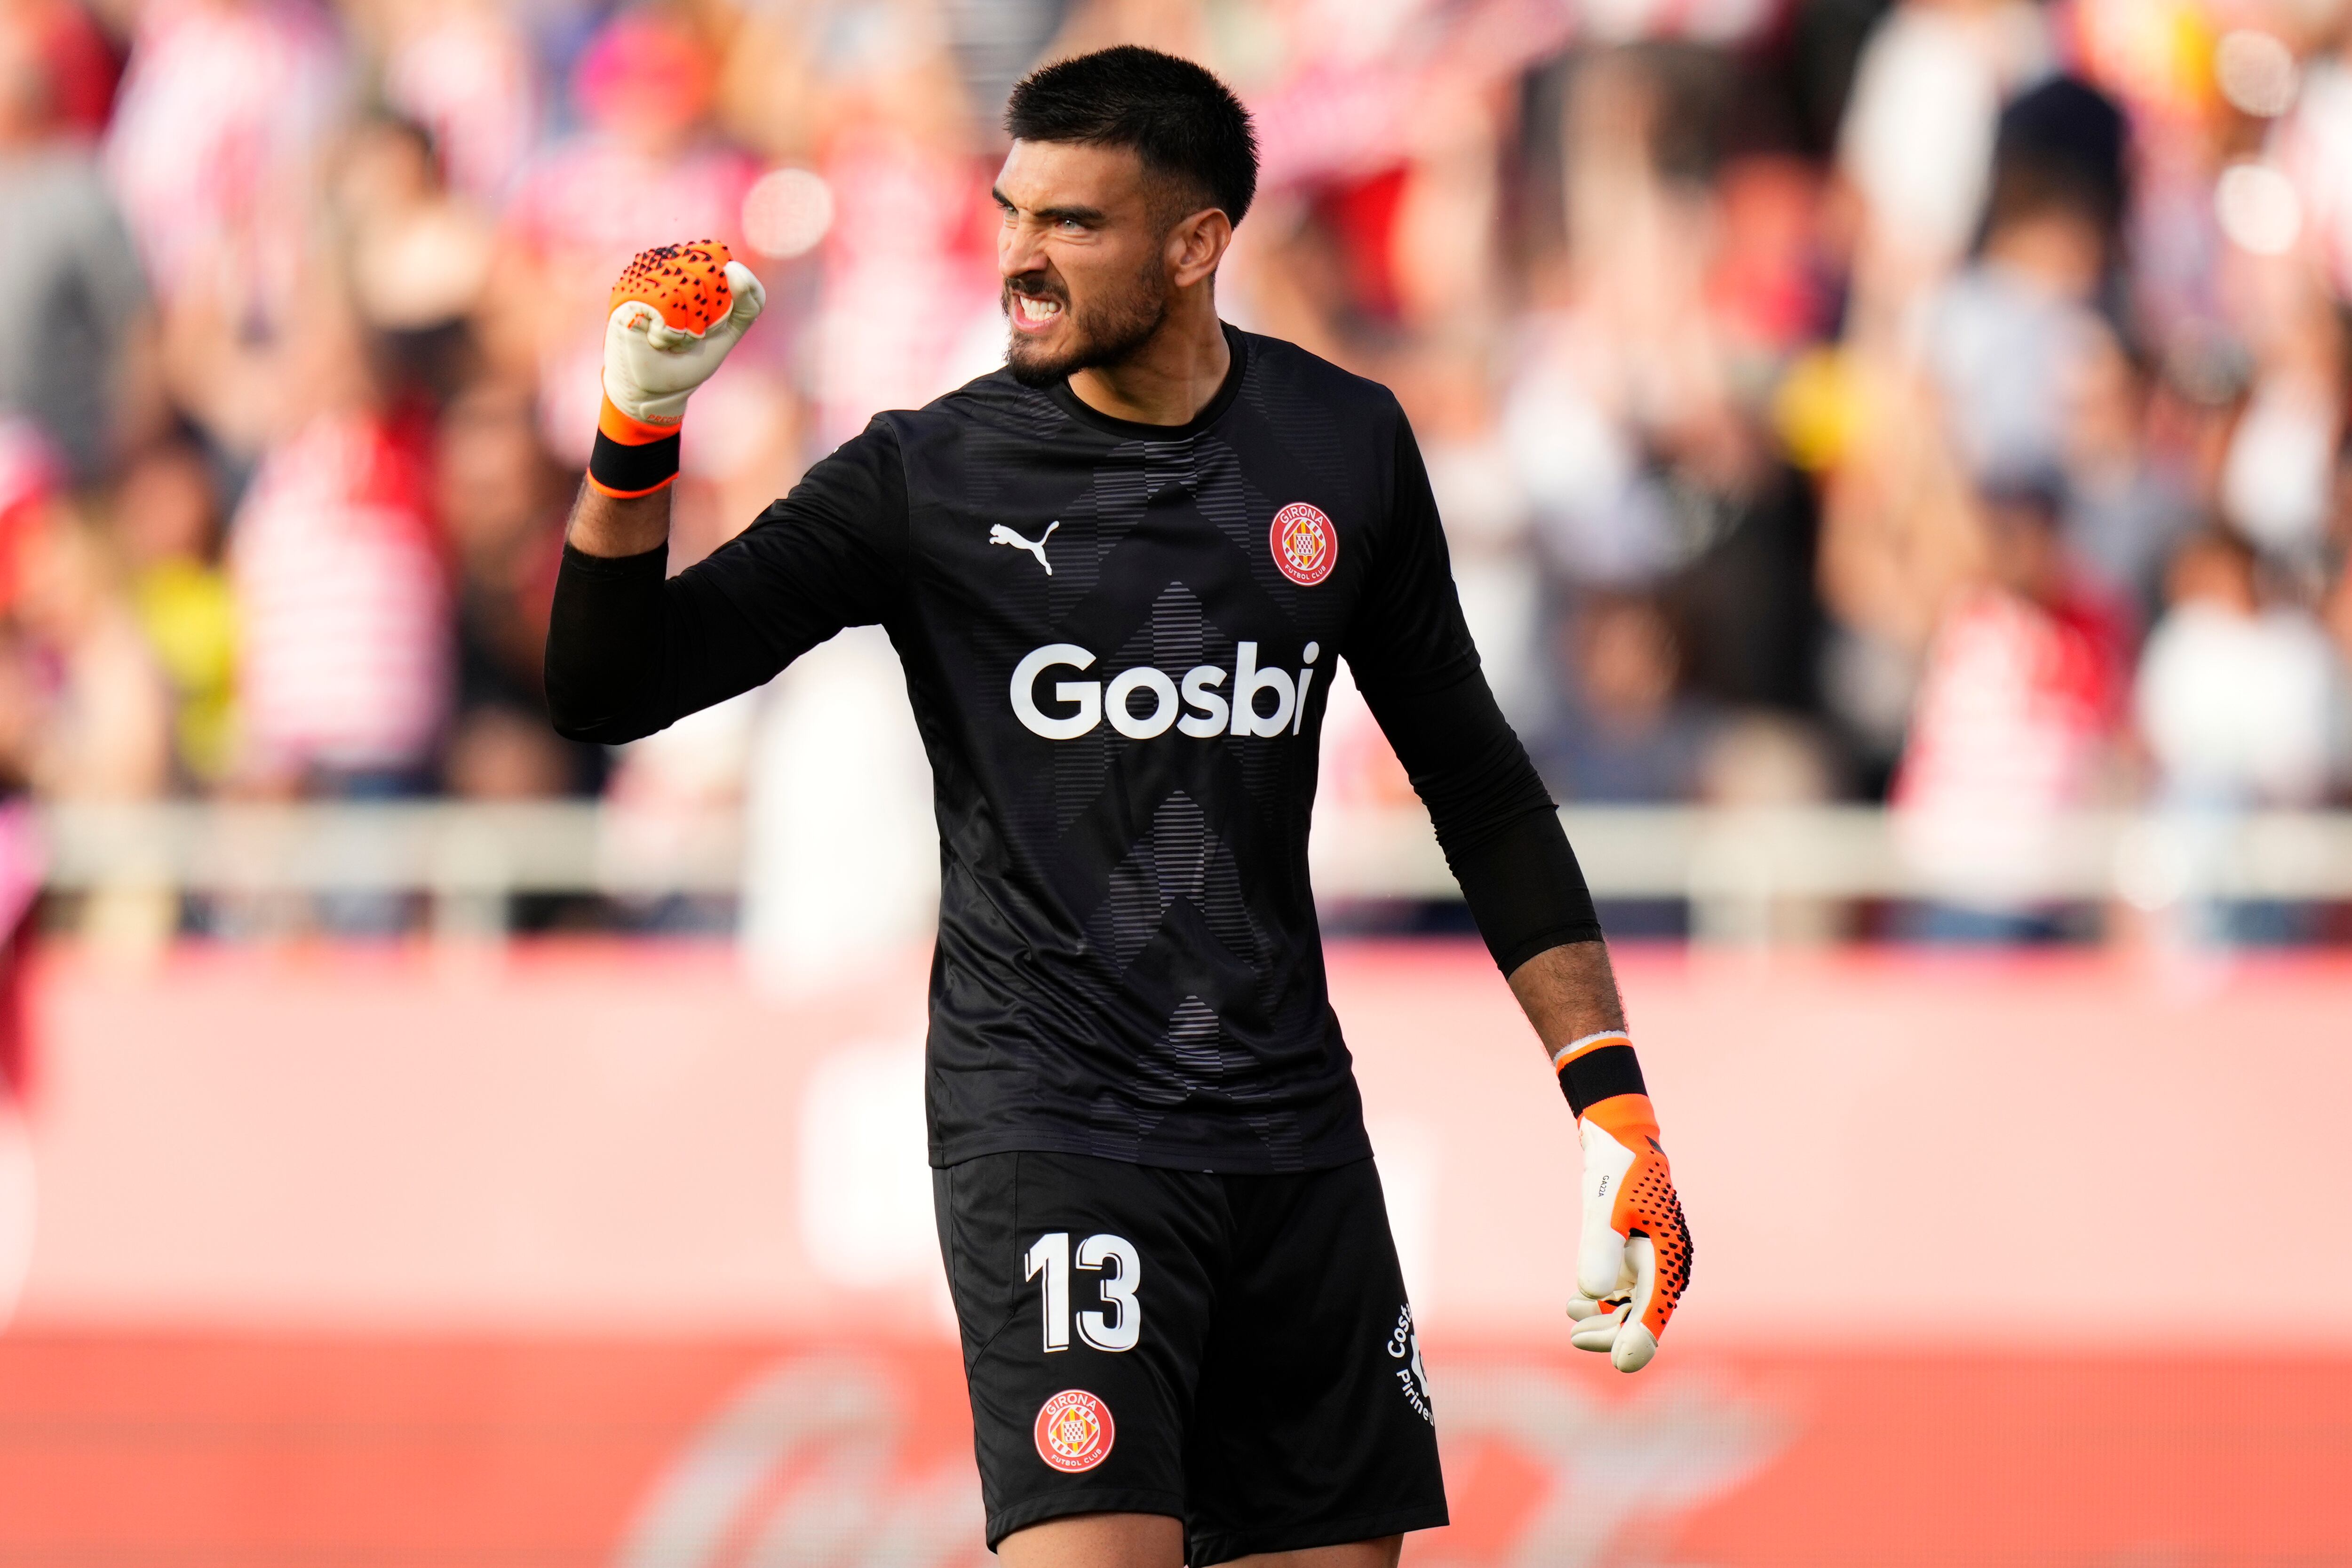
{"x":609,"y":527}
{"x":630,"y":649}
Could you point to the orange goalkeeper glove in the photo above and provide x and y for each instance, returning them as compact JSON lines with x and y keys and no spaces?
{"x":676,"y":311}
{"x":1635,"y":1255}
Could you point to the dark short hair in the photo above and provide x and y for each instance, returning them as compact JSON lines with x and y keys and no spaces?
{"x":2063,"y":146}
{"x":1183,"y":123}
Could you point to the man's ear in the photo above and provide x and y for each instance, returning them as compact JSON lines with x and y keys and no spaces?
{"x":1196,"y":243}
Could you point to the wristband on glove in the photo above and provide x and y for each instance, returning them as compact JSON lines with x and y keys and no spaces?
{"x":632,"y":458}
{"x":674,"y":314}
{"x":1633,"y":1262}
{"x":1597,"y":1067}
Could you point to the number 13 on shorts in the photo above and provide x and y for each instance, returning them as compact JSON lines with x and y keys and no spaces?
{"x":1114,"y":1258}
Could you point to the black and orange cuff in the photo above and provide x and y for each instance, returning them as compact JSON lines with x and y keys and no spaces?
{"x":630,"y":457}
{"x":1597,"y":1067}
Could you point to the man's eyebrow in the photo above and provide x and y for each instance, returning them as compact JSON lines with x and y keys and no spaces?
{"x":1050,"y":215}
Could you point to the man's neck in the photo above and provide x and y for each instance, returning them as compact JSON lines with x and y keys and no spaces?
{"x":1172,"y":377}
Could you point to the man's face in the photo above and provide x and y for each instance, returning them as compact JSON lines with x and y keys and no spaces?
{"x":1084,"y":255}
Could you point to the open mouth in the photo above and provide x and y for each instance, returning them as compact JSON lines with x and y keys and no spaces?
{"x":1032,"y":314}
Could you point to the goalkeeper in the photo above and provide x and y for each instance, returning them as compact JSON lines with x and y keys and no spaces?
{"x":1118,"y":573}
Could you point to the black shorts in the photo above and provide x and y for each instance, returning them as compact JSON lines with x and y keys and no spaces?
{"x":1235,"y":1352}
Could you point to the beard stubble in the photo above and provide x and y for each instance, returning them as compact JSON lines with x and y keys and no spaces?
{"x":1106,"y":332}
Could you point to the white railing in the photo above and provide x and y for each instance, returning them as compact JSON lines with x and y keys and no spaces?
{"x":1741,"y":870}
{"x":467,"y":858}
{"x":1758,"y":874}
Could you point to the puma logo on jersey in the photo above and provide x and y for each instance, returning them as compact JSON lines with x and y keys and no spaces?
{"x":1000,"y":534}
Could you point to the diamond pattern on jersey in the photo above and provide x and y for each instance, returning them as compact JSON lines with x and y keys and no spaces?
{"x":1128,"y":950}
{"x":1178,"y":635}
{"x":1237,"y":507}
{"x":1285,"y":1147}
{"x":1035,"y":416}
{"x":1177,"y":859}
{"x":1313,"y":438}
{"x":1191,"y":1056}
{"x":1193,"y":1040}
{"x":1079,"y":767}
{"x":1165,"y":823}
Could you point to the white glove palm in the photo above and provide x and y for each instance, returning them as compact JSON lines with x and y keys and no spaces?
{"x":1634,"y":1258}
{"x":651,"y":368}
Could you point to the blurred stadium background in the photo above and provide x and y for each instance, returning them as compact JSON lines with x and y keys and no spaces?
{"x":1895,"y":458}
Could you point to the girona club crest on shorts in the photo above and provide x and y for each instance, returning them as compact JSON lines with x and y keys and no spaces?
{"x":1305,"y":545}
{"x":1075,"y":1431}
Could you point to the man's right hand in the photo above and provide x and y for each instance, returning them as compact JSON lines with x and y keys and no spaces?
{"x":676,"y":310}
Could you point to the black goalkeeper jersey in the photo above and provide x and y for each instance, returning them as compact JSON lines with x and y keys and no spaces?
{"x":1118,"y":640}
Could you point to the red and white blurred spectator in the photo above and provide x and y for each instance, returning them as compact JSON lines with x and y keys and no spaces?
{"x":344,"y":657}
{"x":2015,"y":714}
{"x":463,"y":71}
{"x":225,"y":107}
{"x":904,"y":284}
{"x":909,"y":284}
{"x":648,"y":171}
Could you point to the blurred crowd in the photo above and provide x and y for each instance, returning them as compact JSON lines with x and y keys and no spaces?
{"x":1941,"y":402}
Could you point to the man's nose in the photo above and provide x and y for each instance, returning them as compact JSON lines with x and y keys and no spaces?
{"x":1018,"y":251}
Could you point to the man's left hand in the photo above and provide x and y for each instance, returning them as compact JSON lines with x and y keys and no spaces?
{"x":1635,"y":1257}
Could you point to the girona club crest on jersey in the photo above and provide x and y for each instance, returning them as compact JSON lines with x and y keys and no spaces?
{"x":1305,"y":545}
{"x":1074,"y":1431}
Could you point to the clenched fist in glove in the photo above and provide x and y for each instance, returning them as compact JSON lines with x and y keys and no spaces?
{"x":1635,"y":1257}
{"x":676,"y":312}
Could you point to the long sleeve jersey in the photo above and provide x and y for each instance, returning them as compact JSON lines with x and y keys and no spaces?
{"x":1118,"y":640}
